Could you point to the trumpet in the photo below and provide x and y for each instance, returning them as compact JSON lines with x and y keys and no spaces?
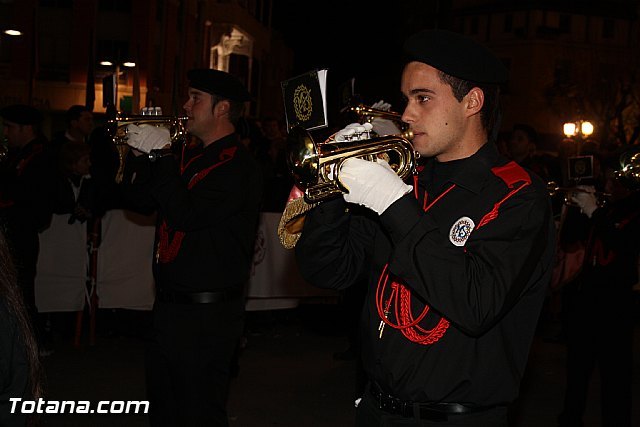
{"x":629,"y":172}
{"x":553,"y":188}
{"x":368,"y":114}
{"x":315,"y":167}
{"x":117,"y":129}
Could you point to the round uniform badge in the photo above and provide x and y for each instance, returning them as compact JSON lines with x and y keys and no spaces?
{"x":461,"y":230}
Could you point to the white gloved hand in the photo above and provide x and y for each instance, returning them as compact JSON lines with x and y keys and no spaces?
{"x":354,"y":132}
{"x":371,"y":184}
{"x":586,"y":199}
{"x":385,"y":127}
{"x":381,"y":105}
{"x":148,"y":137}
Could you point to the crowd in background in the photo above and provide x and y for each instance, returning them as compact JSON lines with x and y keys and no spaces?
{"x":73,"y":172}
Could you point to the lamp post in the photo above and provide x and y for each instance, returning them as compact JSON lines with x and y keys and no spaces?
{"x":578,"y":132}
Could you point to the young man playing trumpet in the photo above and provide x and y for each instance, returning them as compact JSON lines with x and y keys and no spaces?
{"x":458,"y":260}
{"x":208,"y":208}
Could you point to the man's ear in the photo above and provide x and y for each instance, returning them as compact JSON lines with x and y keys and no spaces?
{"x":223,"y":106}
{"x":474,"y":101}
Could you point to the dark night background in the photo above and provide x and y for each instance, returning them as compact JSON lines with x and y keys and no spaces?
{"x":352,"y":40}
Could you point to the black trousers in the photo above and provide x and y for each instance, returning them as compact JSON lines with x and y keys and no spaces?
{"x":369,"y":415}
{"x":188,"y":362}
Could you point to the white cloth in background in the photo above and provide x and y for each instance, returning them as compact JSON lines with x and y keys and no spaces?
{"x":125,"y":279}
{"x":124,"y":276}
{"x":275,"y":280}
{"x":62,"y":266}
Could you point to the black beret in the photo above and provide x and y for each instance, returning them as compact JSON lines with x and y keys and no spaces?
{"x":21,"y":114}
{"x":219,"y":83}
{"x":456,"y":55}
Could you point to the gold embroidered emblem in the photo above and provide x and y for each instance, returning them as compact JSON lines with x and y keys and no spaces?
{"x":302,"y":103}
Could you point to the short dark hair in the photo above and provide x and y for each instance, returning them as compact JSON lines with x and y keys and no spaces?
{"x":75,"y":112}
{"x":490,"y":112}
{"x":236,"y":108}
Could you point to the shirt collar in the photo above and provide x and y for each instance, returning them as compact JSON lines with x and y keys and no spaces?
{"x":475,"y":169}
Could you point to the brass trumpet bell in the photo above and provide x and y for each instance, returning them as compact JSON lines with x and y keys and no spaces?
{"x":315,"y":167}
{"x":118,"y":126}
{"x":117,"y":129}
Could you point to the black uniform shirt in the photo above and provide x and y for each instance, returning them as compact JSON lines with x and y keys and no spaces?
{"x":490,"y":289}
{"x":611,"y":259}
{"x":208,"y":214}
{"x":26,"y":197}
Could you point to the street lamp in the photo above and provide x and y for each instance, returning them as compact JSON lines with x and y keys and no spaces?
{"x":578,"y":131}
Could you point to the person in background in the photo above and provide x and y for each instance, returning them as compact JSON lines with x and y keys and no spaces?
{"x":272,"y":157}
{"x":79,"y":125}
{"x":457,"y":261}
{"x":208,"y":205}
{"x":21,"y":374}
{"x":599,"y":302}
{"x":522,"y":147}
{"x":26,"y":196}
{"x":75,"y":194}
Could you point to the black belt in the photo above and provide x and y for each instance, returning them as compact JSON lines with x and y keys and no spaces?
{"x":199,"y":297}
{"x":432,"y":411}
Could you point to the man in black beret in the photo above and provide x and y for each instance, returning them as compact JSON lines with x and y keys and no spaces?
{"x":21,"y":114}
{"x":458,"y":258}
{"x":208,"y":201}
{"x":25,"y":195}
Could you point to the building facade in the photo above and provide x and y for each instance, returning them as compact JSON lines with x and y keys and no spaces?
{"x":568,"y":60}
{"x":68,"y":51}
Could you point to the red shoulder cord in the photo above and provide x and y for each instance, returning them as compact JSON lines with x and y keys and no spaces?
{"x":400,"y":298}
{"x":168,"y":248}
{"x":398,"y":303}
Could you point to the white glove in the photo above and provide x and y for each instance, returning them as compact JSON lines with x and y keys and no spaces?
{"x":381,"y":105}
{"x":148,"y":137}
{"x":354,"y":132}
{"x":385,"y":127}
{"x":586,"y":199}
{"x":371,"y":184}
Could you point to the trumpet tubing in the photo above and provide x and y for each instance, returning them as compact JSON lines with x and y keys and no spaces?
{"x":117,"y":128}
{"x":553,"y":188}
{"x":315,"y":167}
{"x":629,"y":173}
{"x":368,"y":114}
{"x":175,"y":125}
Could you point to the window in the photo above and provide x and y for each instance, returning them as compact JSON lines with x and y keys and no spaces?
{"x":159,"y":10}
{"x":608,"y":29}
{"x":115,"y":6}
{"x":112,"y":50}
{"x":474,"y":25}
{"x":562,"y":72}
{"x":53,"y":58}
{"x":56,"y":3}
{"x":564,"y":24}
{"x":508,"y":23}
